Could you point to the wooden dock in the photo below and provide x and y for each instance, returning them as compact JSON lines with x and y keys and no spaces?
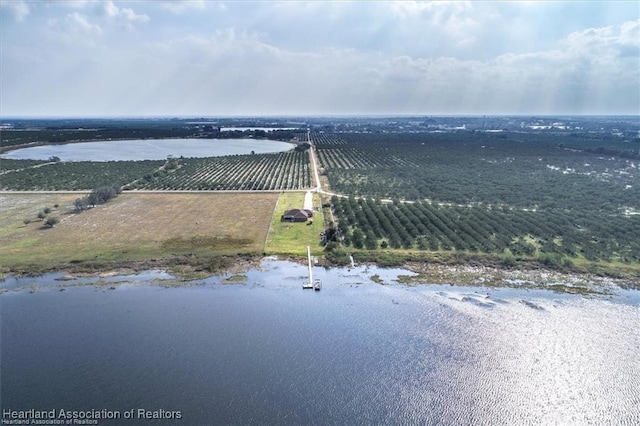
{"x":317,"y":284}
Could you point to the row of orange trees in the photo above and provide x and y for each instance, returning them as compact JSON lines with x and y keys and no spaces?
{"x":368,"y":223}
{"x":280,"y":171}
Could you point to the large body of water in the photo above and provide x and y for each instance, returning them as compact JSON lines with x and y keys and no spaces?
{"x":264,"y":351}
{"x":147,"y":149}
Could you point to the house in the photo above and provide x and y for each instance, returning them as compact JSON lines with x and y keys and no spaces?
{"x":303,"y":214}
{"x":296,"y":215}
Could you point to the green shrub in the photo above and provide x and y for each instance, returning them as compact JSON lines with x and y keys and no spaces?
{"x":51,"y":222}
{"x":338,"y":257}
{"x":508,"y":260}
{"x":549,"y":259}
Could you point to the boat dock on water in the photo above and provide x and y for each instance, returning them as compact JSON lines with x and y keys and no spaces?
{"x":314,"y":284}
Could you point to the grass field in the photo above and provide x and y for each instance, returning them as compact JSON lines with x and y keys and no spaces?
{"x":131,"y":227}
{"x":188,"y":234}
{"x":292,"y":238}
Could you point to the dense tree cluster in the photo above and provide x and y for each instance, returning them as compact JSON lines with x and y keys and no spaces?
{"x":367,"y":223}
{"x":97,"y":196}
{"x":172,"y":163}
{"x":302,"y":147}
{"x":523,"y":170}
{"x":21,"y":137}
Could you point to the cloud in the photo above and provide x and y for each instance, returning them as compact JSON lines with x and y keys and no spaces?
{"x":606,"y":43}
{"x":75,"y":4}
{"x":404,"y":27}
{"x":457,"y":20}
{"x":79,"y":23}
{"x":182,"y":6}
{"x":19,"y":9}
{"x":319,"y":58}
{"x":75,"y":27}
{"x":123,"y":16}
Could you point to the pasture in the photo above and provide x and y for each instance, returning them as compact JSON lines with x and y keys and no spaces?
{"x":132,"y":227}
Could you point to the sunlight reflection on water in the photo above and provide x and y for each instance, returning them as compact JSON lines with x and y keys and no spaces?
{"x":266,"y":351}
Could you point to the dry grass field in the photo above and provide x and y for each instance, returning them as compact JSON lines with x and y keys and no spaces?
{"x":133,"y":226}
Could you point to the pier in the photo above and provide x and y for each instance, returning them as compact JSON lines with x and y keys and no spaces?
{"x":317,"y":284}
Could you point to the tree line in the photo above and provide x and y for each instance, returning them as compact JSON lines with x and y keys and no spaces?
{"x":97,"y":196}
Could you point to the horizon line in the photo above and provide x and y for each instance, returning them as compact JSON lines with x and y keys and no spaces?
{"x":355,"y":115}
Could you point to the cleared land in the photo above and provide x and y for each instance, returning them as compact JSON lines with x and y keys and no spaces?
{"x":132,"y":227}
{"x":292,"y":238}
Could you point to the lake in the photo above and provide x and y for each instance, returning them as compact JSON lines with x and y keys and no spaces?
{"x":257,"y":349}
{"x":147,"y":149}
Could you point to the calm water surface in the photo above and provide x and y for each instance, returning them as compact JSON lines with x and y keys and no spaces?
{"x":148,"y":149}
{"x":264,"y":351}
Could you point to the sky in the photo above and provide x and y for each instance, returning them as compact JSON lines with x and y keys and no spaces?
{"x":215,"y":58}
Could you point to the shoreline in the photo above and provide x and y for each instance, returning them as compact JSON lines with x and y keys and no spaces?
{"x":533,"y":278}
{"x":418,"y":273}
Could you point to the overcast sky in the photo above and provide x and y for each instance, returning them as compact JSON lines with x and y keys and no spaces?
{"x":208,"y":58}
